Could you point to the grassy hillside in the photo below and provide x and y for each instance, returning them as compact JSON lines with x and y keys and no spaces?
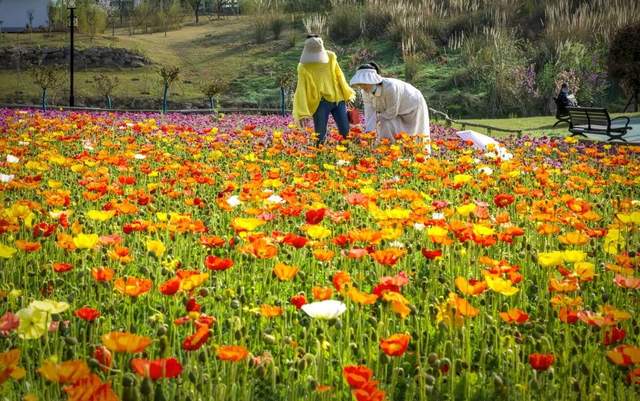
{"x":220,"y":48}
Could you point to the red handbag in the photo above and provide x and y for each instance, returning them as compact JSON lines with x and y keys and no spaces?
{"x":354,"y":115}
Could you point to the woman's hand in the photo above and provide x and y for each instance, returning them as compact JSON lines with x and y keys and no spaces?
{"x":306,"y":122}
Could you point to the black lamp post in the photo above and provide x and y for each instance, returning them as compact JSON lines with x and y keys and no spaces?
{"x":71,"y":5}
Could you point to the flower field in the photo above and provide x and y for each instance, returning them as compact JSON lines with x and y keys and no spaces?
{"x":148,"y":257}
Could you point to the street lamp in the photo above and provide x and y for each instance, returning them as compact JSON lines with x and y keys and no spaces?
{"x":71,"y":5}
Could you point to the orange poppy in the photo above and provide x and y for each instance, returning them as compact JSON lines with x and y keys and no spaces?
{"x":125,"y":342}
{"x":323,"y":255}
{"x":624,"y":355}
{"x":284,"y":272}
{"x":90,"y":388}
{"x":388,"y":257}
{"x":212,"y":242}
{"x":361,"y":297}
{"x":471,"y":286}
{"x":261,"y":249}
{"x":64,"y":372}
{"x":341,"y":280}
{"x":233,"y":353}
{"x":9,"y":366}
{"x":27,"y":246}
{"x":133,"y":286}
{"x":102,"y":274}
{"x":270,"y":310}
{"x":321,"y":293}
{"x":395,"y":345}
{"x":514,"y":316}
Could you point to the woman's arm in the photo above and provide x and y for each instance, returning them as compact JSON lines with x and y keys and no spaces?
{"x":370,"y":120}
{"x":392,"y":97}
{"x":301,"y":97}
{"x":348,"y":94}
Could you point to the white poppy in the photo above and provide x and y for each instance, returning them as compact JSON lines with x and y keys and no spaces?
{"x":486,"y":170}
{"x":326,"y":310}
{"x":234,"y":201}
{"x":419,"y":226}
{"x":138,"y":156}
{"x":341,"y":163}
{"x":396,"y":244}
{"x":12,"y":159}
{"x":276,"y":199}
{"x":23,"y":143}
{"x":437,"y":216}
{"x":6,"y":177}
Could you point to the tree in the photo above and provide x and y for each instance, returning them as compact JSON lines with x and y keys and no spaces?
{"x":195,"y":5}
{"x":624,"y":61}
{"x":169,"y":75}
{"x":47,"y":77}
{"x":212,"y":89}
{"x":93,"y":20}
{"x":105,"y":86}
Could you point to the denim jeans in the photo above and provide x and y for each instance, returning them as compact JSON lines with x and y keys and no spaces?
{"x":321,"y":118}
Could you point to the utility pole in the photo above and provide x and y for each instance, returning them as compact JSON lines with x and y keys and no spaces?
{"x":71,"y":5}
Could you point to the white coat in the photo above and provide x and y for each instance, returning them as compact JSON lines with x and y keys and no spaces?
{"x":395,"y":107}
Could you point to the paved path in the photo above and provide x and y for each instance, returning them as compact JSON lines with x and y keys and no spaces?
{"x":632,"y":136}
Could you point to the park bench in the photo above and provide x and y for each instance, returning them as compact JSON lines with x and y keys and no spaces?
{"x":596,"y":120}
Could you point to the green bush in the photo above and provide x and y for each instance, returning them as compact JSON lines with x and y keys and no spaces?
{"x":374,"y":23}
{"x":277,"y":24}
{"x":344,"y":24}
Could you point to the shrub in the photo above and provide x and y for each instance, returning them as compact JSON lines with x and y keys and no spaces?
{"x":624,"y":59}
{"x":105,"y":85}
{"x":344,"y":24}
{"x":374,"y":23}
{"x":276,"y":24}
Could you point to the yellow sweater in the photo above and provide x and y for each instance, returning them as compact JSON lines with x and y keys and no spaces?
{"x":317,"y":81}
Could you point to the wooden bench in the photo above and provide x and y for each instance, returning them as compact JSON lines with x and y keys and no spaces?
{"x":596,"y":120}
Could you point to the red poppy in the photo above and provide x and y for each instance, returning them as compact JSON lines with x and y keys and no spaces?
{"x":614,"y":336}
{"x":192,"y":305}
{"x":295,"y":241}
{"x":515,"y":316}
{"x":315,"y":216}
{"x":357,"y":375}
{"x":43,"y":230}
{"x":196,"y":340}
{"x":431,"y":255}
{"x":62,"y":267}
{"x":156,"y":369}
{"x":369,"y":392}
{"x":298,"y":300}
{"x":88,"y":314}
{"x":213,"y":262}
{"x":395,"y":345}
{"x":103,"y":356}
{"x":541,"y":362}
{"x":503,"y":200}
{"x":170,"y":286}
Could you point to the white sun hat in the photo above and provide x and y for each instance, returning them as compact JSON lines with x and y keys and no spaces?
{"x":314,"y":51}
{"x":367,"y":76}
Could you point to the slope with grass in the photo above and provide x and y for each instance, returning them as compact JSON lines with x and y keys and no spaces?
{"x":219,"y":48}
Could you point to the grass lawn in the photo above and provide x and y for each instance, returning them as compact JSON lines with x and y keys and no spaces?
{"x":537,"y":126}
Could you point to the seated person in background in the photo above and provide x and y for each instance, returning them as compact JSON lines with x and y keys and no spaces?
{"x":564,"y":100}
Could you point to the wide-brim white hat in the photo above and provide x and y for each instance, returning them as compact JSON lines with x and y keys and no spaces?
{"x":367,"y":76}
{"x":314,"y":52}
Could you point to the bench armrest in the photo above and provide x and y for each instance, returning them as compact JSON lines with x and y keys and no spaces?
{"x":620,"y":118}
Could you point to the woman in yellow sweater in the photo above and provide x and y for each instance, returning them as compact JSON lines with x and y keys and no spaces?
{"x":321,"y":90}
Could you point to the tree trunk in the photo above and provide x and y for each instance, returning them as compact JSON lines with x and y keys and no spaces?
{"x":164,"y":98}
{"x":197,"y":7}
{"x":44,"y":99}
